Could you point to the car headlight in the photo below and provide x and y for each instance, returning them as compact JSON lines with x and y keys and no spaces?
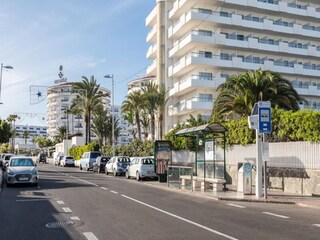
{"x":10,"y":171}
{"x":34,"y":172}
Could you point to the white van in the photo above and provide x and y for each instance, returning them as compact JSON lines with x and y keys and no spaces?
{"x":87,"y":159}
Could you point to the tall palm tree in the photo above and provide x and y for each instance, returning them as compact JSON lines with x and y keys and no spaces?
{"x":109,"y":127}
{"x":100,"y":124}
{"x":25,"y":135}
{"x":239,"y":93}
{"x":162,"y":101}
{"x":133,"y":103}
{"x":89,"y":99}
{"x":128,"y":116}
{"x":150,"y":97}
{"x":62,"y":133}
{"x":145,"y":122}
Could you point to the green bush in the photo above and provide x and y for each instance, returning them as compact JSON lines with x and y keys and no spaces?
{"x":77,"y":152}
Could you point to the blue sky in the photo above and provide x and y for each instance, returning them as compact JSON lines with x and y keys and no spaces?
{"x":87,"y":37}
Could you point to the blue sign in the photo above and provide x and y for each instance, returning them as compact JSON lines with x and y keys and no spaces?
{"x":264,"y":120}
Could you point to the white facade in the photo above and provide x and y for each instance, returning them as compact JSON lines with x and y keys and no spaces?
{"x":59,"y":100}
{"x":125,"y":136}
{"x":205,"y":41}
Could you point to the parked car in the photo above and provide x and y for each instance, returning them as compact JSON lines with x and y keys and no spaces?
{"x":87,"y":159}
{"x":57,"y":157}
{"x":6,"y":158}
{"x":117,"y":165}
{"x":21,"y":169}
{"x":41,"y":158}
{"x":67,"y":161}
{"x":100,"y":164}
{"x":57,"y":161}
{"x":140,"y":168}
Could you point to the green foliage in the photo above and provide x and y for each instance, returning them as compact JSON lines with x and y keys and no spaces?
{"x":239,"y":132}
{"x":5,"y":131}
{"x":77,"y":152}
{"x":136,"y":148}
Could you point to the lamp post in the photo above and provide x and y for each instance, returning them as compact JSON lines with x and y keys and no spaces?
{"x":6,"y":67}
{"x":112,"y":110}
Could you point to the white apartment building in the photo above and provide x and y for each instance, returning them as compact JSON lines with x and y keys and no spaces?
{"x":197,"y":44}
{"x":59,"y":100}
{"x":125,"y":136}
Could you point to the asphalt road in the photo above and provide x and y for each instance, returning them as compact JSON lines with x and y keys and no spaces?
{"x":97,"y":206}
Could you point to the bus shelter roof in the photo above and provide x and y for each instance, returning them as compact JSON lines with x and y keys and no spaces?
{"x":202,"y":130}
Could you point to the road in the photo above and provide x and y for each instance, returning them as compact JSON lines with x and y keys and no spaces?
{"x":83,"y":205}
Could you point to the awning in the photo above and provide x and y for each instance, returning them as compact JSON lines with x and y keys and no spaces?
{"x":202,"y":130}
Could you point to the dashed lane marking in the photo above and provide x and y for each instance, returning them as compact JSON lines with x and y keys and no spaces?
{"x":90,"y":236}
{"x":60,"y":202}
{"x":104,"y":188}
{"x":182,"y":219}
{"x":75,"y":218}
{"x":316,"y":225}
{"x":275,"y":215}
{"x":236,"y":205}
{"x":114,"y":192}
{"x":67,"y":210}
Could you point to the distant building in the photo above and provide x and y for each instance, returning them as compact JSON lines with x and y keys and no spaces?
{"x":33,"y":131}
{"x":125,"y":136}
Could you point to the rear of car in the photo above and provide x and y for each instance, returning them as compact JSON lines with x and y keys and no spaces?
{"x":42,"y":158}
{"x":117,"y":165}
{"x":146,"y":168}
{"x":100,"y":164}
{"x":67,"y":161}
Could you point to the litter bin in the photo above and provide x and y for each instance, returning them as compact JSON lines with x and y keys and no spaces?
{"x":245,"y":178}
{"x":162,"y":177}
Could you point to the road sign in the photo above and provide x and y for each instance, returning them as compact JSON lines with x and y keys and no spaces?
{"x":264,"y":120}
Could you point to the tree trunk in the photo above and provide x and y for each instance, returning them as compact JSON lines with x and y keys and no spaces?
{"x":138,"y":125}
{"x":87,"y":129}
{"x":152,"y":127}
{"x":89,"y":126}
{"x":160,"y":125}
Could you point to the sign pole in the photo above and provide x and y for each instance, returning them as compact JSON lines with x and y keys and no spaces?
{"x":258,"y":165}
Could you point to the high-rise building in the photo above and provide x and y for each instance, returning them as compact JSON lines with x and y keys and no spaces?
{"x":59,"y":101}
{"x":197,"y":44}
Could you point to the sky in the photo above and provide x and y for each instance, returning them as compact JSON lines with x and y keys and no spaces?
{"x":86,"y":37}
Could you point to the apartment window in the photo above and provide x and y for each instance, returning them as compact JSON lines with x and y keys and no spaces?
{"x":205,"y":76}
{"x":205,"y":97}
{"x":205,"y":33}
{"x":224,"y":56}
{"x":224,"y":75}
{"x":205,"y":54}
{"x":224,"y":14}
{"x":240,"y":37}
{"x":205,"y":11}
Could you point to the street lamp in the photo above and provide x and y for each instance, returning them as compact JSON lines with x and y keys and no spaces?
{"x":6,"y":67}
{"x":112,"y":110}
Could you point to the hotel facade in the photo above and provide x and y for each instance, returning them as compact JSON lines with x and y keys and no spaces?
{"x":195,"y":45}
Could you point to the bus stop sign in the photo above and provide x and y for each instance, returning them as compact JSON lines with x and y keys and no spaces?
{"x":264,"y":117}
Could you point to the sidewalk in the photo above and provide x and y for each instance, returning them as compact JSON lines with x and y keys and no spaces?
{"x":232,"y":195}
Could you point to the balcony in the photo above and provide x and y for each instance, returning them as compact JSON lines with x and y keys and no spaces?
{"x":152,"y":35}
{"x":193,"y":83}
{"x":152,"y":52}
{"x":152,"y":69}
{"x":189,"y":106}
{"x":151,"y":20}
{"x":193,"y":60}
{"x":307,"y":90}
{"x":221,"y":19}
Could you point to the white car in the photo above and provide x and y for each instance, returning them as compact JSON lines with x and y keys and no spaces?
{"x":6,"y":157}
{"x":141,"y":167}
{"x":117,"y":165}
{"x":67,"y":161}
{"x":21,"y":169}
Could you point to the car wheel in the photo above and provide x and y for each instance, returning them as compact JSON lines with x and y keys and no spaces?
{"x":80,"y":167}
{"x":99,"y":171}
{"x":106,"y":171}
{"x":127,"y":175}
{"x":115,"y":173}
{"x":138,"y":176}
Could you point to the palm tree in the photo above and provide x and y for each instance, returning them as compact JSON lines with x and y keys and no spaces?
{"x":128,"y":116}
{"x":239,"y":93}
{"x":109,"y":129}
{"x":145,"y":122}
{"x":62,"y":133}
{"x":25,"y":135}
{"x":12,"y":118}
{"x":150,"y":97}
{"x":162,"y":101}
{"x":89,"y":99}
{"x":100,"y":124}
{"x":133,"y":103}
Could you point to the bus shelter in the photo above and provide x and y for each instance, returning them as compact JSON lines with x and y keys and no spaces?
{"x":210,"y":155}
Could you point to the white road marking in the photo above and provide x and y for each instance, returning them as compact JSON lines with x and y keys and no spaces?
{"x":75,"y":218}
{"x":87,"y":182}
{"x":182,"y":219}
{"x":60,"y":202}
{"x":104,"y":188}
{"x":316,"y":225}
{"x":114,"y":192}
{"x":67,"y":210}
{"x":235,"y":205}
{"x":90,"y":236}
{"x":31,"y":200}
{"x":275,"y":215}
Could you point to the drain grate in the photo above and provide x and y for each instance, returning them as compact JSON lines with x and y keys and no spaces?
{"x":59,"y":224}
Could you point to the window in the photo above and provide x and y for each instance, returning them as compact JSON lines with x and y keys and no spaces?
{"x":205,"y":97}
{"x":205,"y":54}
{"x":205,"y":33}
{"x":205,"y":76}
{"x":224,"y":56}
{"x":224,"y":14}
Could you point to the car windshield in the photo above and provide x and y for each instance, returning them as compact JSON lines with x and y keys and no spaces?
{"x":21,"y":162}
{"x":95,"y":155}
{"x":123,"y":159}
{"x":105,"y":159}
{"x":69,"y":157}
{"x":147,"y":161}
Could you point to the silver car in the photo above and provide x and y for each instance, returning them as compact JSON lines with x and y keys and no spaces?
{"x":21,"y":169}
